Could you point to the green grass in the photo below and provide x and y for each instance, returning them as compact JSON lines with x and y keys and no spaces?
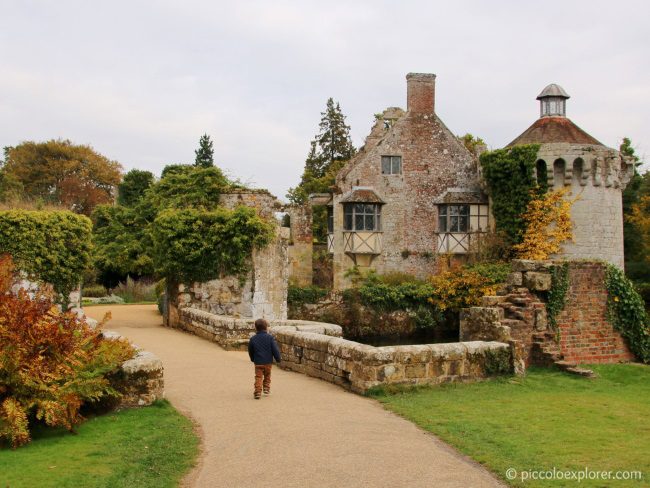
{"x":547,"y":419}
{"x":151,"y":446}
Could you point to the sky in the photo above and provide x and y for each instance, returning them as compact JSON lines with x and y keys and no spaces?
{"x":140,"y":81}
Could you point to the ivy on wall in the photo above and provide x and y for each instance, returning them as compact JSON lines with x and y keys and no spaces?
{"x":199,"y":245}
{"x":557,"y":295}
{"x":53,"y":246}
{"x":510,"y":175}
{"x":626,"y":312}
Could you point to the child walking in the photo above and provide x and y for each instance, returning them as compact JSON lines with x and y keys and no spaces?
{"x":262,"y":348}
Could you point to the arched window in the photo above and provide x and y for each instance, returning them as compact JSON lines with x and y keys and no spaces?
{"x":559,"y":167}
{"x":542,"y":173}
{"x":578,"y":170}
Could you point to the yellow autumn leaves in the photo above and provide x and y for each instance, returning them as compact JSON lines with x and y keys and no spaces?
{"x":548,"y":225}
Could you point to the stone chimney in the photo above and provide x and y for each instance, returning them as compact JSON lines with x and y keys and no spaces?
{"x":420,"y":92}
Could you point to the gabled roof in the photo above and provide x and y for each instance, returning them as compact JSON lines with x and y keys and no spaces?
{"x":554,"y":129}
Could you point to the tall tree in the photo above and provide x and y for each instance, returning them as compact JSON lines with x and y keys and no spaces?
{"x":62,"y":173}
{"x":133,"y":186}
{"x":329,"y":149}
{"x":205,"y":153}
{"x":637,"y":260}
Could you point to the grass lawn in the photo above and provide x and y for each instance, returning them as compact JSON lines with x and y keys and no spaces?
{"x":150,"y":446}
{"x":547,"y":419}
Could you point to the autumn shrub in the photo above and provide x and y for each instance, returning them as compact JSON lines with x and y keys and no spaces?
{"x":51,"y":362}
{"x":463,"y":287}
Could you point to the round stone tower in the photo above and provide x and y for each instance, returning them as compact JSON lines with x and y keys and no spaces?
{"x":596,"y":174}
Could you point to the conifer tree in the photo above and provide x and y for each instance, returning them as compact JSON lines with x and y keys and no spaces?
{"x":205,"y":153}
{"x":328,"y":151}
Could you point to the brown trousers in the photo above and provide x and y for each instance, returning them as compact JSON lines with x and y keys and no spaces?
{"x":262,"y":378}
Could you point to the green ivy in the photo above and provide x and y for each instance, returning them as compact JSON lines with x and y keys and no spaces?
{"x":53,"y":246}
{"x":558,"y":293}
{"x":510,"y":175}
{"x":298,"y":295}
{"x":199,"y":245}
{"x":626,"y":312}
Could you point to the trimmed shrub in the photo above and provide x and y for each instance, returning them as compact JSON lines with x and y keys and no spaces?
{"x":199,"y":245}
{"x":52,"y":246}
{"x":51,"y":362}
{"x":298,"y":295}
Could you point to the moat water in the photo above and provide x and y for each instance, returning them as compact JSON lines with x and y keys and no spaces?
{"x":427,"y":336}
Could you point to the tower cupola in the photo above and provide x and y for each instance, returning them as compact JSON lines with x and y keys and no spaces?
{"x":552,"y":101}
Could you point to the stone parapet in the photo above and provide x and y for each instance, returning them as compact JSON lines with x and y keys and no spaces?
{"x":317,"y":349}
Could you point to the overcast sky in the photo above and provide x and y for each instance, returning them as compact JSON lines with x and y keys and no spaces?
{"x":140,"y":81}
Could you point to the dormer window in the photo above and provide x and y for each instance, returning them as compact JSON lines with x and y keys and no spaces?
{"x":391,"y":165}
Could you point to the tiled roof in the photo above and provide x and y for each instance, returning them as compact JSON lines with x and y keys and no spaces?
{"x":361,"y":195}
{"x":554,"y":129}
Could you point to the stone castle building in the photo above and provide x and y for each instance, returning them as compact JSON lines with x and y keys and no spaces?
{"x":595,"y":175}
{"x":413,"y":193}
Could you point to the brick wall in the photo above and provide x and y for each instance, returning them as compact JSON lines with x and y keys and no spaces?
{"x":433,"y":161}
{"x":585,"y":334}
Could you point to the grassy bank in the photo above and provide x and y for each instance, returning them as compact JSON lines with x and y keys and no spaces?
{"x":543,"y":421}
{"x":146,"y":447}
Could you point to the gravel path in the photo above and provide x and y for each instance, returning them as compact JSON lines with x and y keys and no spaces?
{"x":308,"y":433}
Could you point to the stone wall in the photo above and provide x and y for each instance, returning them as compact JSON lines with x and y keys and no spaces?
{"x":301,"y":245}
{"x":262,"y":292}
{"x":596,"y":176}
{"x":139,"y":380}
{"x":316,"y":349}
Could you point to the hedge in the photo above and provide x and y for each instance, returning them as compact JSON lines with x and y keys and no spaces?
{"x":53,"y":246}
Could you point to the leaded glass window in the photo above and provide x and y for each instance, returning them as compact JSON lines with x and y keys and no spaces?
{"x":361,"y":217}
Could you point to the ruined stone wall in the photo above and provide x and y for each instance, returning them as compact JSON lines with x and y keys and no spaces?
{"x":139,"y":380}
{"x":585,"y":334}
{"x":262,"y":292}
{"x":316,"y":349}
{"x":301,"y":245}
{"x":433,"y":160}
{"x":596,"y":176}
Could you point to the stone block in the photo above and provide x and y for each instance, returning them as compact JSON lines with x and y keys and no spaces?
{"x":415,"y":370}
{"x":537,"y":281}
{"x":515,"y":279}
{"x":413,"y":354}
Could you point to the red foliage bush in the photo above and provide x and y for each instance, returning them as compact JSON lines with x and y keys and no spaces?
{"x":51,"y":362}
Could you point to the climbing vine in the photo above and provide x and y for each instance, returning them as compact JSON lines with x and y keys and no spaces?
{"x":558,"y":292}
{"x":548,"y":225}
{"x":626,"y":312}
{"x":510,"y":175}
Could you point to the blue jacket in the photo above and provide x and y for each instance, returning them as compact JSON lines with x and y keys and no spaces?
{"x":262,"y":348}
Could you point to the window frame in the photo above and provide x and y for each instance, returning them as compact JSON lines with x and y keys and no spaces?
{"x":393,"y":161}
{"x":366,"y":212}
{"x":451,"y":217}
{"x":330,"y":220}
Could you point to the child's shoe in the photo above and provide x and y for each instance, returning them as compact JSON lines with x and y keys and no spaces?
{"x":257,"y":396}
{"x":267,"y":392}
